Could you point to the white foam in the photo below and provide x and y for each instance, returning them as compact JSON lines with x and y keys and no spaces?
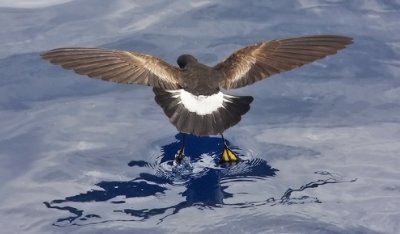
{"x":201,"y":105}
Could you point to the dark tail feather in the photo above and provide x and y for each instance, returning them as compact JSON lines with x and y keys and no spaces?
{"x":210,"y":124}
{"x":234,"y":108}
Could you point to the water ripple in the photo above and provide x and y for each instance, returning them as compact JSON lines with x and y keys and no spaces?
{"x":200,"y":182}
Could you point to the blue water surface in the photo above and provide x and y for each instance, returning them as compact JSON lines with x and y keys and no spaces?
{"x":319,"y":147}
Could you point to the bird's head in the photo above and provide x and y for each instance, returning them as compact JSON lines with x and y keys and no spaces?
{"x":185,"y":59}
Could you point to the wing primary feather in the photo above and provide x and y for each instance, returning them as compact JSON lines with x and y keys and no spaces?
{"x":261,"y":60}
{"x":118,"y":66}
{"x":100,"y":71}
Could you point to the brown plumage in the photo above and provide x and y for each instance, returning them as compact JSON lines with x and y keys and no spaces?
{"x":117,"y":66}
{"x":261,"y":60}
{"x":244,"y":67}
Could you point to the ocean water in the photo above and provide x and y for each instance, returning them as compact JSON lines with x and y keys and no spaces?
{"x":320,"y":145}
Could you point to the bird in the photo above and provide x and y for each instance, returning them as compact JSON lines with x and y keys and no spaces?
{"x":193,"y":95}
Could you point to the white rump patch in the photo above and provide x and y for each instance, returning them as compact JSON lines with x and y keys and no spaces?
{"x":201,"y":105}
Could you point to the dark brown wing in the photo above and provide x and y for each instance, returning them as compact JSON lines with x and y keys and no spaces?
{"x":262,"y":60}
{"x":117,"y":66}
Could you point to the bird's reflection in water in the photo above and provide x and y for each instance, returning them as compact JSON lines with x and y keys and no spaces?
{"x":203,"y":187}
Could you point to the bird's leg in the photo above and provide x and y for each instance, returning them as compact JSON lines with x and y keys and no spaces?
{"x":228,"y":156}
{"x":181,"y":152}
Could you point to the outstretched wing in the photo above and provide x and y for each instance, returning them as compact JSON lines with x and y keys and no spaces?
{"x":261,"y":60}
{"x":117,"y":66}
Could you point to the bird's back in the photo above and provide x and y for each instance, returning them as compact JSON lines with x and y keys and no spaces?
{"x":202,"y":80}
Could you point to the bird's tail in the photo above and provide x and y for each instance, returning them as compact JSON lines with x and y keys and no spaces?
{"x":211,"y":119}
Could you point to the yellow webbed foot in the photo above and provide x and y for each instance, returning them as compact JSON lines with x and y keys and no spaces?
{"x":228,"y":156}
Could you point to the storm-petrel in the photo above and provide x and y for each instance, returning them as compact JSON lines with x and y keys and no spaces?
{"x":190,"y":94}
